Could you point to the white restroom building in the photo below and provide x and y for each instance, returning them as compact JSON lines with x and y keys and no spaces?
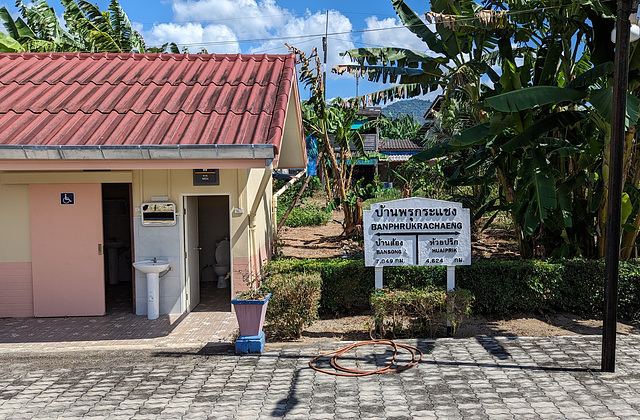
{"x":107,"y":159}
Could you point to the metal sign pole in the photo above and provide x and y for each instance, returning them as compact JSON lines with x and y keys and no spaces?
{"x":378,"y":271}
{"x":451,"y":284}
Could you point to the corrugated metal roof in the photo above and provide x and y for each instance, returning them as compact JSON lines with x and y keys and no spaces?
{"x":401,"y":145}
{"x":51,"y":99}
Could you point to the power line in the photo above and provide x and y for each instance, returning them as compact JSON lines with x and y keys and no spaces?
{"x":319,"y":35}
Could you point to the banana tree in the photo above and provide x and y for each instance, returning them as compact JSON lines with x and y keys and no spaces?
{"x":336,"y":120}
{"x":89,"y":29}
{"x":536,"y":134}
{"x":102,"y":31}
{"x":37,"y":30}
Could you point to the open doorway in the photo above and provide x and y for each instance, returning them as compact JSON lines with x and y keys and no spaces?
{"x":116,"y":226}
{"x":208,"y":253}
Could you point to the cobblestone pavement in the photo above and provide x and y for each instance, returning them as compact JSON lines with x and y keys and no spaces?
{"x":524,"y":378}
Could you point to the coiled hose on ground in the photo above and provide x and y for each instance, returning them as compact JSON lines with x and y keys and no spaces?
{"x":416,"y":357}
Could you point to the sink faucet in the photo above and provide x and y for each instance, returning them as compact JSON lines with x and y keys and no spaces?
{"x":155,"y":260}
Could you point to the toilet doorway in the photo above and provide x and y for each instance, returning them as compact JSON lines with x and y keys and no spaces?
{"x":206,"y":240}
{"x":118,"y":246}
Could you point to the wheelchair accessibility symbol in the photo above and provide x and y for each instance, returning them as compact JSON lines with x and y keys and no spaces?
{"x":67,"y":199}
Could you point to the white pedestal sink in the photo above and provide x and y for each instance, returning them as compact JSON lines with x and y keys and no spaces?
{"x":152,"y":268}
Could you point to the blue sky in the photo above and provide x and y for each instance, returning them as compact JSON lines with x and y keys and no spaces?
{"x":263,"y":26}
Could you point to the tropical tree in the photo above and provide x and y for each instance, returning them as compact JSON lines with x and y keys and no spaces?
{"x":89,"y":29}
{"x":401,"y":126}
{"x":102,"y":31}
{"x":327,"y":122}
{"x":541,"y":116}
{"x":37,"y":30}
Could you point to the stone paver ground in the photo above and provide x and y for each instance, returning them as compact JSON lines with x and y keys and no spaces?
{"x":496,"y":378}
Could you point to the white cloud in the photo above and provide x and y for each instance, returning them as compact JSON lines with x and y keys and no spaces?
{"x":312,"y":28}
{"x":246,"y":18}
{"x":379,"y":35}
{"x":215,"y":38}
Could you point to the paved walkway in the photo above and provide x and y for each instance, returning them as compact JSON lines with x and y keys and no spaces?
{"x":496,"y":378}
{"x":119,"y":330}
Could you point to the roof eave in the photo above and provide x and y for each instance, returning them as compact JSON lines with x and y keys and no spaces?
{"x":164,"y":152}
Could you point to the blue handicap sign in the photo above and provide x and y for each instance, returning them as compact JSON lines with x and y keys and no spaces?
{"x":67,"y":198}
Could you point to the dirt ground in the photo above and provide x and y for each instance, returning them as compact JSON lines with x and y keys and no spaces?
{"x":327,"y":241}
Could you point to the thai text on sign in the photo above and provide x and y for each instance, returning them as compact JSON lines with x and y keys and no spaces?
{"x":417,"y":231}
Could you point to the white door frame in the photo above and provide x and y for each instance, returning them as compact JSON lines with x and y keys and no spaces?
{"x":183,"y":246}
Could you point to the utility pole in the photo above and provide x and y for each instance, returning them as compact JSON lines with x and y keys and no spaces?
{"x":324,"y":49}
{"x":616,"y":156}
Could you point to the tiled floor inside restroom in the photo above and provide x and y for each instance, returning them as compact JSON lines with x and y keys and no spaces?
{"x":211,"y":322}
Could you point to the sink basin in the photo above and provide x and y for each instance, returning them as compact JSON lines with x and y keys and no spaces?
{"x":152,"y":269}
{"x":149,"y":266}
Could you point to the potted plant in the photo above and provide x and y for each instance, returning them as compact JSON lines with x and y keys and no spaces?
{"x":250,"y":308}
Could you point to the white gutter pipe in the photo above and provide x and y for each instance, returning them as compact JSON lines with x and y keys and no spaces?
{"x":285,"y":187}
{"x":266,"y":179}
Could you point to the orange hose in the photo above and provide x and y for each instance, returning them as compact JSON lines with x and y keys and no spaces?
{"x":344,"y":371}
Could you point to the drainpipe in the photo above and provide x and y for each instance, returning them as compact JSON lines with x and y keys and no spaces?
{"x":266,"y":179}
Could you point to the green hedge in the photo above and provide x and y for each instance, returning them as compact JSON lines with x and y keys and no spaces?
{"x":499,"y":287}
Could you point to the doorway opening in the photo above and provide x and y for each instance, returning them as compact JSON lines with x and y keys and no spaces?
{"x":116,"y":228}
{"x":208,"y":253}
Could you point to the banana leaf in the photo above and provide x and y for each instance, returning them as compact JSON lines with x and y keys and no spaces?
{"x":602,"y":101}
{"x":535,"y":96}
{"x":8,"y":44}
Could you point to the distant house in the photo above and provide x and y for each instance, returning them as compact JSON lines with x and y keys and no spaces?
{"x":110,"y":158}
{"x":398,"y":151}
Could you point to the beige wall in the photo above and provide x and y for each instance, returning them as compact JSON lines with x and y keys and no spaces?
{"x":178,"y":182}
{"x":261,"y":248}
{"x":15,"y":244}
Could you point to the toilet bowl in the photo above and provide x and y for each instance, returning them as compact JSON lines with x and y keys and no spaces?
{"x":221,"y":267}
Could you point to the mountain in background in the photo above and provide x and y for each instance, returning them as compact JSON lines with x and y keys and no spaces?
{"x":415,"y":107}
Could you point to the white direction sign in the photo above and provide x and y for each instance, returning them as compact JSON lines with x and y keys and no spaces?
{"x":417,"y":231}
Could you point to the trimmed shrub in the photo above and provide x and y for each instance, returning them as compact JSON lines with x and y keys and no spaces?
{"x":346,"y":284}
{"x":499,"y":287}
{"x":418,"y":312}
{"x":294,"y":302}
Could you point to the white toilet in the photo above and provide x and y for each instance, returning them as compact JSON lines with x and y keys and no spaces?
{"x":221,"y":267}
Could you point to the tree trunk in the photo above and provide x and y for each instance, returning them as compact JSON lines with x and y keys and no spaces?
{"x":353,"y":218}
{"x":526,"y":250}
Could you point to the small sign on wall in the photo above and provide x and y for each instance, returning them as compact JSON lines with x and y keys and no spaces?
{"x":206,"y":177}
{"x":67,"y":199}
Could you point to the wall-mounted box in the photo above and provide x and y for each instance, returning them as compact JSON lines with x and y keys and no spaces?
{"x":158,"y":214}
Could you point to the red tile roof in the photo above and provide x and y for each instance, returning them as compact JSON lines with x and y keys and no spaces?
{"x":51,"y":99}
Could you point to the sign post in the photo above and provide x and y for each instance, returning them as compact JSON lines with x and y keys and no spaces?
{"x":417,"y":231}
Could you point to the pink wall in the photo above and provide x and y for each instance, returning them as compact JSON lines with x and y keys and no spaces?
{"x":16,"y":290}
{"x":68,"y":269}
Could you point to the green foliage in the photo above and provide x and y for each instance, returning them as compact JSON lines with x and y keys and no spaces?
{"x":287,"y":197}
{"x":307,"y":214}
{"x":418,"y":311}
{"x":400,"y":126}
{"x":385,"y":194}
{"x":498,"y":287}
{"x":346,"y":284}
{"x":423,"y":179}
{"x":89,"y":29}
{"x":294,"y":302}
